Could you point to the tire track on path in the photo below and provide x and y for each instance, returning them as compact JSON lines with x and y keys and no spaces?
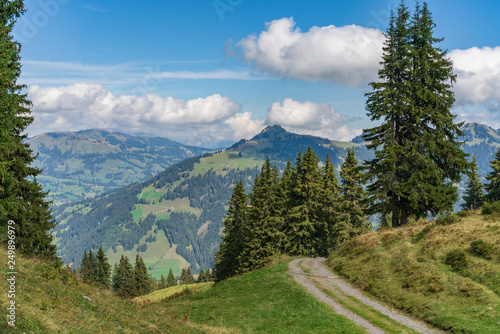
{"x":317,"y":271}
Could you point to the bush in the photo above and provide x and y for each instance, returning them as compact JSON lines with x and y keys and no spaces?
{"x":482,"y":248}
{"x":447,"y":220}
{"x":491,"y":208}
{"x":458,"y":259}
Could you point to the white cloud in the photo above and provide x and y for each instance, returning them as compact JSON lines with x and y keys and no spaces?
{"x":202,"y":121}
{"x":318,"y":119}
{"x":243,"y":126}
{"x":478,"y":76}
{"x":348,"y":55}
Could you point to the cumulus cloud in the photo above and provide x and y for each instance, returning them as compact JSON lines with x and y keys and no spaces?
{"x":202,"y":121}
{"x":348,"y":55}
{"x":318,"y":119}
{"x":478,"y":76}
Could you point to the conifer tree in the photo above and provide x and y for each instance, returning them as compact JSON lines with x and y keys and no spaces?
{"x":334,"y":222}
{"x":171,"y":281}
{"x":303,"y":220}
{"x":142,"y":279}
{"x":474,"y":191}
{"x":84,"y":270}
{"x":227,"y":258}
{"x":93,"y":271}
{"x":201,"y":276}
{"x":417,"y":153}
{"x":103,"y":269}
{"x":189,"y":276}
{"x":261,"y":234}
{"x":124,"y":283}
{"x":163,"y":282}
{"x":493,"y":187}
{"x":353,"y":196}
{"x":22,"y":199}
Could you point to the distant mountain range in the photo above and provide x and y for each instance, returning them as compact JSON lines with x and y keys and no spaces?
{"x":79,"y":165}
{"x":175,"y":218}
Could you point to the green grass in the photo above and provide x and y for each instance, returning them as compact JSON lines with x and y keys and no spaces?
{"x":406,"y":268}
{"x":50,"y":300}
{"x":224,"y":160}
{"x":159,"y":295}
{"x":263,"y":301}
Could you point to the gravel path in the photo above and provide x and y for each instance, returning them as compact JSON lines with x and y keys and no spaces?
{"x":319,"y":271}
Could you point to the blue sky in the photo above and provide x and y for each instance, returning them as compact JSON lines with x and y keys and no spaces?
{"x":212,"y":72}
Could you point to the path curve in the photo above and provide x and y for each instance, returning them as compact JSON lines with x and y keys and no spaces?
{"x":317,"y":269}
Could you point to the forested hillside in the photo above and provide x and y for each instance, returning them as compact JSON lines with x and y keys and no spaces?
{"x":82,"y":164}
{"x":175,"y":219}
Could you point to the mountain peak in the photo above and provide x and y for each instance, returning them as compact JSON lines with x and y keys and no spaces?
{"x":270,"y":131}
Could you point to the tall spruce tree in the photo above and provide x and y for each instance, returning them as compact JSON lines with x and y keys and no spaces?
{"x":303,"y":219}
{"x":103,"y":269}
{"x":142,"y":279}
{"x":334,"y":228}
{"x":353,"y":196}
{"x":493,"y":187}
{"x":171,"y":281}
{"x":21,"y":196}
{"x":124,"y":283}
{"x":474,"y":191}
{"x":163,"y":282}
{"x":417,"y":153}
{"x":227,"y":257}
{"x":262,"y":236}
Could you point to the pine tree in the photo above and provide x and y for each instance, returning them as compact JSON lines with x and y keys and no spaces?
{"x":93,"y":271}
{"x":103,"y":269}
{"x":417,"y":155}
{"x":84,"y":270}
{"x":227,"y":258}
{"x":474,"y":191}
{"x":334,"y":222}
{"x":124,"y":283}
{"x":171,"y":281}
{"x":353,"y":196}
{"x":142,"y":279}
{"x":163,"y":283}
{"x":493,"y":187}
{"x":261,"y":234}
{"x":303,"y":220}
{"x":22,"y":199}
{"x":189,"y":276}
{"x":201,"y":276}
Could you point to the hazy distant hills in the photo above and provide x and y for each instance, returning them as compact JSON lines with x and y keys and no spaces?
{"x":175,"y":218}
{"x":82,"y":164}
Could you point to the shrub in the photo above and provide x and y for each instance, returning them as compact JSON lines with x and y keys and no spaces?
{"x":482,"y":248}
{"x":491,"y":208}
{"x":464,"y":213}
{"x":458,"y":259}
{"x":447,"y":220}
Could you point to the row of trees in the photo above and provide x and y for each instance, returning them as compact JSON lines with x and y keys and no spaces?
{"x":304,"y":212}
{"x":131,"y":281}
{"x":475,"y":194}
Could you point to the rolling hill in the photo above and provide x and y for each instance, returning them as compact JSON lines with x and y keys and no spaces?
{"x":79,"y":165}
{"x":175,"y":219}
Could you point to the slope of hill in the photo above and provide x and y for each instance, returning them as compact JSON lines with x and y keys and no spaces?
{"x":86,"y":163}
{"x":175,"y":219}
{"x":50,"y":300}
{"x":447,"y":275}
{"x":484,"y":142}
